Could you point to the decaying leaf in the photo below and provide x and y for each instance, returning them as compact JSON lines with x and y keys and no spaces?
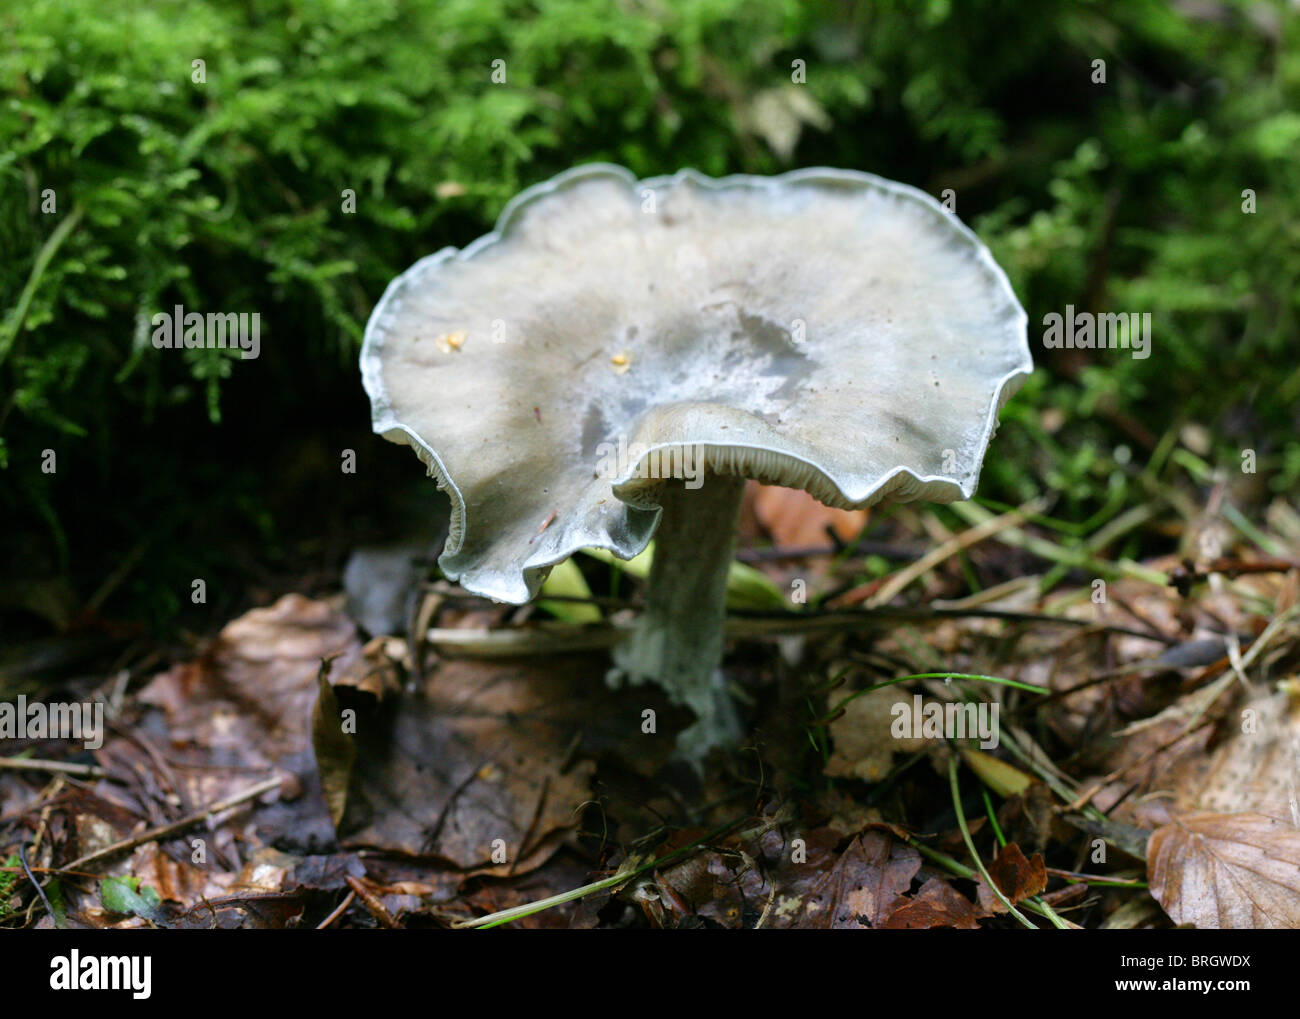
{"x":244,"y":707}
{"x":794,"y":519}
{"x":377,"y":673}
{"x":1255,"y":768}
{"x":477,"y":769}
{"x":937,"y":904}
{"x":336,"y":753}
{"x":864,"y":743}
{"x":1227,"y":871}
{"x":864,"y":886}
{"x":1017,"y":877}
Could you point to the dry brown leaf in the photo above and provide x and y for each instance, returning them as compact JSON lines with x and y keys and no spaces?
{"x":789,"y":866}
{"x":336,"y":751}
{"x":1228,"y":871}
{"x":1018,"y":878}
{"x":237,"y":713}
{"x":480,"y":763}
{"x":937,"y":904}
{"x":862,"y":737}
{"x":1254,"y":769}
{"x":864,"y":886}
{"x":245,"y":706}
{"x":794,"y":519}
{"x":377,"y":673}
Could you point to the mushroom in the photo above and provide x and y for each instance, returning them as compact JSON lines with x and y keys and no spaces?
{"x":629,"y":352}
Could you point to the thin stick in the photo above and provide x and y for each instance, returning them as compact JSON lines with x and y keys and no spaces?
{"x":554,"y":638}
{"x":371,"y":901}
{"x":58,"y":767}
{"x":342,"y":908}
{"x":22,"y":858}
{"x":955,"y":545}
{"x":625,"y":873}
{"x":167,"y":830}
{"x":1085,"y":797}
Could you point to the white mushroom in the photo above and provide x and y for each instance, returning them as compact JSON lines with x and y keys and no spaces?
{"x":824,"y":329}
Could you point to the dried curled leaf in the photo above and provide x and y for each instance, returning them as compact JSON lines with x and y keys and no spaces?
{"x":1227,"y":871}
{"x":937,"y":904}
{"x":1017,"y":877}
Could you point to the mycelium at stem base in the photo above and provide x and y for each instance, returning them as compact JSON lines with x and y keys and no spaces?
{"x":678,"y":640}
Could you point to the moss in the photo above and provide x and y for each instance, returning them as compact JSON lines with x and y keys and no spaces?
{"x":228,"y":194}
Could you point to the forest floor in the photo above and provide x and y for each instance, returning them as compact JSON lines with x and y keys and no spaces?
{"x":1136,"y":767}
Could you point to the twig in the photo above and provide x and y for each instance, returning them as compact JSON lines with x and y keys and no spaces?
{"x":957,"y":544}
{"x":624,"y":874}
{"x":767,"y":909}
{"x":884,"y":549}
{"x":338,"y":912}
{"x":57,"y":767}
{"x":1188,"y":574}
{"x":371,"y":901}
{"x":555,"y":638}
{"x":22,"y":858}
{"x":1084,"y":798}
{"x":532,"y":824}
{"x":167,"y":830}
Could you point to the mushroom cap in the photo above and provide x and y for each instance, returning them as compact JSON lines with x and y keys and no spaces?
{"x":823,"y":329}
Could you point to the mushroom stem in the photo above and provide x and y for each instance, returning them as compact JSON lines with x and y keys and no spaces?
{"x":678,"y":640}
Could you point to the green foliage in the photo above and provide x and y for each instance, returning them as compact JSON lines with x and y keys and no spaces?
{"x":227,"y":194}
{"x":8,"y":880}
{"x":125,"y":895}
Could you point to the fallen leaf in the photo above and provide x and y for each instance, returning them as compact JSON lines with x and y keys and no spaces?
{"x":863,"y":739}
{"x":336,"y":752}
{"x":794,"y":519}
{"x":706,"y":885}
{"x":245,"y":705}
{"x":567,"y":581}
{"x":242,"y":710}
{"x":479,"y":768}
{"x":937,"y":904}
{"x":1017,"y":878}
{"x":376,"y":674}
{"x":1227,"y":871}
{"x":1003,"y":778}
{"x":864,"y":886}
{"x":1255,"y":769}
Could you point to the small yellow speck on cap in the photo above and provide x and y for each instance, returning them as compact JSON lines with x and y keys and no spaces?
{"x":448,"y":342}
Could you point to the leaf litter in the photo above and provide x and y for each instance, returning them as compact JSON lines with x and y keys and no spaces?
{"x":1149,"y":780}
